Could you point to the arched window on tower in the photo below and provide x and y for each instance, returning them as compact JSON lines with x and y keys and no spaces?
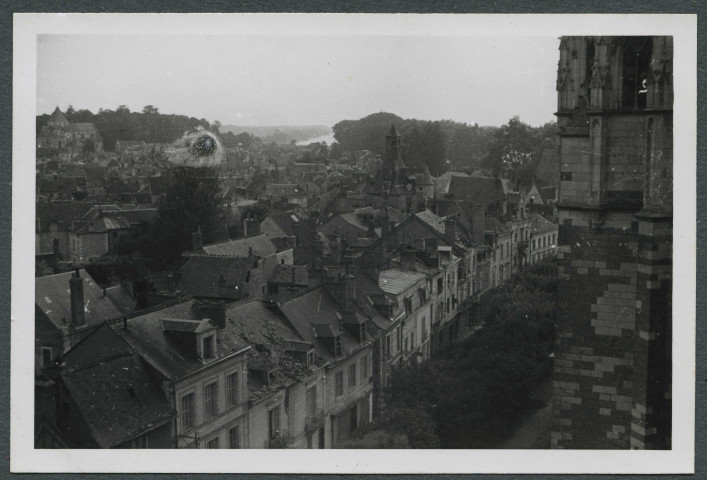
{"x":636,"y":59}
{"x":588,"y":63}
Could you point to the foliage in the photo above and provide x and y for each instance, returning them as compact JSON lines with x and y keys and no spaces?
{"x":191,"y":204}
{"x":516,"y":147}
{"x":367,"y":133}
{"x":468,"y":145}
{"x":122,"y":124}
{"x":128,"y":267}
{"x":444,"y":145}
{"x":473,"y":390}
{"x":89,"y":146}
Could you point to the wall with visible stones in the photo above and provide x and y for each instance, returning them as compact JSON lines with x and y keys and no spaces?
{"x":612,"y":373}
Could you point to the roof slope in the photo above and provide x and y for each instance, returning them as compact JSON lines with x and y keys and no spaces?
{"x":52,"y":295}
{"x":476,"y":189}
{"x":397,"y":281}
{"x":61,"y":213}
{"x":541,"y":224}
{"x":145,"y":333}
{"x":317,"y":311}
{"x":254,"y":324}
{"x":112,"y":389}
{"x":215,"y":276}
{"x":258,"y":245}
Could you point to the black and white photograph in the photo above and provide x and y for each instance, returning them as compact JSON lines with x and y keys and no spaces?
{"x":354,"y":243}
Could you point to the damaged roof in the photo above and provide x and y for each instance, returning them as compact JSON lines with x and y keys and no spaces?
{"x":272,"y":340}
{"x":147,"y":335}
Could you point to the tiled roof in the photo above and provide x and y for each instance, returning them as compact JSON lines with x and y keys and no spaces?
{"x":112,"y":389}
{"x":145,"y":333}
{"x":215,"y":276}
{"x":63,"y":214}
{"x":255,"y":324}
{"x":283,"y":243}
{"x":121,"y":298}
{"x":432,"y":220}
{"x":424,"y":178}
{"x":396,"y":281}
{"x":495,"y":225}
{"x":285,"y":221}
{"x":138,"y":215}
{"x":476,"y":189}
{"x":282,"y":274}
{"x":541,"y":224}
{"x":317,"y":308}
{"x":442,"y":182}
{"x":285,"y":190}
{"x":52,"y":295}
{"x":103,"y":224}
{"x":58,"y":116}
{"x":258,"y":245}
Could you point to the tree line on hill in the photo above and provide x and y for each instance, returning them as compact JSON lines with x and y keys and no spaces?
{"x":474,"y":392}
{"x":513,"y":148}
{"x":149,"y":125}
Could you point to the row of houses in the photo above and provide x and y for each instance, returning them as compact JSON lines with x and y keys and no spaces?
{"x":285,"y":337}
{"x":263,"y":342}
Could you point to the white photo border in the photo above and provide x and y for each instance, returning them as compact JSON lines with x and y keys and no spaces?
{"x":24,"y":458}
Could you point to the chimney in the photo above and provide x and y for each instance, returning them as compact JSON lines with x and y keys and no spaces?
{"x":349,"y":290}
{"x":78,"y":315}
{"x":450,"y":229}
{"x":477,"y":223}
{"x":196,"y":239}
{"x":309,"y":230}
{"x":251,"y":227}
{"x":371,"y":230}
{"x":297,"y":230}
{"x":431,"y":244}
{"x":407,"y":258}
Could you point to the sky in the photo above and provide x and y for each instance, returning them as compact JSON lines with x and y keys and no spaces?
{"x":303,"y":80}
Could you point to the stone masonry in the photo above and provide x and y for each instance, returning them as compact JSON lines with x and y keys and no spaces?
{"x":612,"y":374}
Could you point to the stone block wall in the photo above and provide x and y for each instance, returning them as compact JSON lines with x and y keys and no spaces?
{"x":594,"y":351}
{"x":612,"y":373}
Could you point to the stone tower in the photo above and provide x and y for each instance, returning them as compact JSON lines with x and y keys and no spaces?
{"x":393,"y":169}
{"x":612,"y":374}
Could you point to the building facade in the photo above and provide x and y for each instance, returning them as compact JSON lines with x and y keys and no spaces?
{"x":612,"y":375}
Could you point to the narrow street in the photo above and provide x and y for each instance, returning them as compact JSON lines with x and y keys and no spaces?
{"x":534,"y":431}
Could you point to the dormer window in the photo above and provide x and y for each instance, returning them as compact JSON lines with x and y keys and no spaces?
{"x":208,"y":346}
{"x":408,"y":305}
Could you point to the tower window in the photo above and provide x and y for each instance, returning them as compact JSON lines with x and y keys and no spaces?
{"x":635,"y":70}
{"x":589,"y":62}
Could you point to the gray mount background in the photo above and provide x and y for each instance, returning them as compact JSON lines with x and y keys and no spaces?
{"x":7,"y":8}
